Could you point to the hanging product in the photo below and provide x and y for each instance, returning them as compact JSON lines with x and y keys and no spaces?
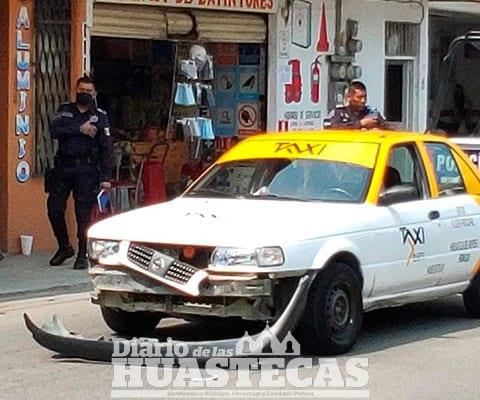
{"x":206,"y":128}
{"x":188,"y":68}
{"x":184,"y":95}
{"x":205,"y":95}
{"x":191,"y":128}
{"x":315,"y":81}
{"x":206,"y":72}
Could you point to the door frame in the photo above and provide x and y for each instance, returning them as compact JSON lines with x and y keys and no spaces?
{"x":410,"y":94}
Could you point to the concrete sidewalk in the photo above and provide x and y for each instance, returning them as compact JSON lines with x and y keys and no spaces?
{"x":32,"y":276}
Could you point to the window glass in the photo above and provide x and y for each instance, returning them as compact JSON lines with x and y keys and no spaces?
{"x":446,"y":170}
{"x":404,"y":168}
{"x":401,"y":159}
{"x":295,"y":179}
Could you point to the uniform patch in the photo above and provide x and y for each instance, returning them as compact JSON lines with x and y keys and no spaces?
{"x":63,"y":114}
{"x":101,"y":111}
{"x":107,"y":131}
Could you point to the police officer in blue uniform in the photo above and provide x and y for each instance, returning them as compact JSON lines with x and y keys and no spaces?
{"x":82,"y":165}
{"x":357,"y":115}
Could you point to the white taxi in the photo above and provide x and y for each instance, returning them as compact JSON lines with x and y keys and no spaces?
{"x":309,"y":229}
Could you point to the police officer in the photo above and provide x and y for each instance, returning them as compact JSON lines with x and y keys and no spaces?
{"x":357,"y":115}
{"x":82,"y":162}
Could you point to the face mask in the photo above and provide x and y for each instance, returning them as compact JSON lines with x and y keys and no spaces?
{"x":84,"y":99}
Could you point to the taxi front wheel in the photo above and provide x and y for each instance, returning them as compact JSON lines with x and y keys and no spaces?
{"x":471,"y":297}
{"x":333,"y":314}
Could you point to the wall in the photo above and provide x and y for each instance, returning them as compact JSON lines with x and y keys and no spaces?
{"x":288,"y":43}
{"x":4,"y":45}
{"x":371,"y":15}
{"x":22,"y":202}
{"x":23,"y":205}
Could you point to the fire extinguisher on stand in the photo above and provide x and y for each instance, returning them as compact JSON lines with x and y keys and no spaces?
{"x":315,"y":81}
{"x":153,"y":176}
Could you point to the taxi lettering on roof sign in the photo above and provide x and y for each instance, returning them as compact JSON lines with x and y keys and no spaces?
{"x":303,"y":231}
{"x":356,"y":153}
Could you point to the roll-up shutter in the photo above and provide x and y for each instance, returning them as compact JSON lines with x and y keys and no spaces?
{"x":150,"y":22}
{"x":231,"y":27}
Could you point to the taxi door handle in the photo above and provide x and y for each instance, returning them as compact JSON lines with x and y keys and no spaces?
{"x":433,"y":215}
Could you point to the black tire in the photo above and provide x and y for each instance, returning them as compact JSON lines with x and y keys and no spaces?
{"x":130,"y":323}
{"x":333,"y":315}
{"x":471,"y":297}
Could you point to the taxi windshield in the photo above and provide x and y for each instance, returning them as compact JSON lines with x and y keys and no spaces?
{"x":285,"y":179}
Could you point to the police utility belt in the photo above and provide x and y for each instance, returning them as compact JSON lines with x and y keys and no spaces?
{"x":75,"y":162}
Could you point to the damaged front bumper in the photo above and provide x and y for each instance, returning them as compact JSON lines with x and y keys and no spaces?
{"x":222,"y":296}
{"x":141,"y":278}
{"x":57,"y":338}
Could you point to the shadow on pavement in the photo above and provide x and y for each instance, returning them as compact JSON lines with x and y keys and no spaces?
{"x":392,"y":327}
{"x":382,"y":329}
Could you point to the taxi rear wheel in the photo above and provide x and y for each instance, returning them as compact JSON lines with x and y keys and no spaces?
{"x":333,"y":314}
{"x":471,"y":297}
{"x":130,"y":323}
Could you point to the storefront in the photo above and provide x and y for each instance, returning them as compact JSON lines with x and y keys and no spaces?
{"x":139,"y":53}
{"x":259,"y":65}
{"x":189,"y":80}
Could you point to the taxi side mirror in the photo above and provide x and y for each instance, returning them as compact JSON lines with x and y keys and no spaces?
{"x":397,"y":194}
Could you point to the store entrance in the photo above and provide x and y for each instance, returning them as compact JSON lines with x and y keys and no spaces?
{"x":175,"y":107}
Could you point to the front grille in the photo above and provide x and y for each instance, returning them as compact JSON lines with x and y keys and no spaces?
{"x":140,"y":255}
{"x":180,"y":272}
{"x":201,"y":259}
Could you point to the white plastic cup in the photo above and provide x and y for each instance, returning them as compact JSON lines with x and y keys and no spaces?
{"x":27,"y":244}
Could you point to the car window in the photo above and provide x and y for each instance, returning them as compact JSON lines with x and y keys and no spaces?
{"x":233,"y":179}
{"x":405,"y":168}
{"x":447,"y":173}
{"x":297,"y":179}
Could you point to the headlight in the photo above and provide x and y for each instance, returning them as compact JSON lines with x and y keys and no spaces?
{"x":102,"y":248}
{"x":262,"y":257}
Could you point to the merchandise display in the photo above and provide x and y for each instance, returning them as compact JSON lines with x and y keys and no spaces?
{"x":191,"y":98}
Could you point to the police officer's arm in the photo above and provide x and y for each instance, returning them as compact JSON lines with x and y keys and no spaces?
{"x":64,"y":125}
{"x":105,"y":149}
{"x":341,"y":121}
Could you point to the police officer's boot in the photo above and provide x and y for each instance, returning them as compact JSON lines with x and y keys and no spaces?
{"x":81,"y":262}
{"x":61,"y":255}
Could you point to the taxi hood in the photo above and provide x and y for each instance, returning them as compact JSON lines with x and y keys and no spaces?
{"x":233,"y":222}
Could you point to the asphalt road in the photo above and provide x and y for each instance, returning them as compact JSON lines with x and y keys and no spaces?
{"x":422,"y":351}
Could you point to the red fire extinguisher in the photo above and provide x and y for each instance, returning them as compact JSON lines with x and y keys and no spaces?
{"x":153,"y":176}
{"x":315,"y":81}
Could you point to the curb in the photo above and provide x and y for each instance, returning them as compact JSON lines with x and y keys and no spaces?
{"x":55,"y":290}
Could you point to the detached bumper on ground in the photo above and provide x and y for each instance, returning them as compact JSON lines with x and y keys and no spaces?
{"x":54,"y":336}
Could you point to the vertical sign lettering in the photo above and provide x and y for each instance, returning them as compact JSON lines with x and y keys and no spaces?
{"x":23,"y":84}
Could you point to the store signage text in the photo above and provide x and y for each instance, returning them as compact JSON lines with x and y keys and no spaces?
{"x":302,"y":119}
{"x":266,"y":6}
{"x":23,"y":84}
